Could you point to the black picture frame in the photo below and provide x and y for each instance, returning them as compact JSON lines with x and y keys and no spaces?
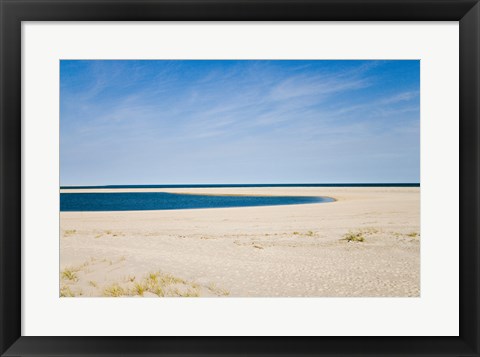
{"x":13,"y":12}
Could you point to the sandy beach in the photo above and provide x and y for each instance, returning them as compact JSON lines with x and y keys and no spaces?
{"x":366,"y":243}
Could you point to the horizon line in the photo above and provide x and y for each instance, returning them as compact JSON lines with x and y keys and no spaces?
{"x":242,"y":184}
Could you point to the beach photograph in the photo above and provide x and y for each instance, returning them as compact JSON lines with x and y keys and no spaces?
{"x":239,"y":178}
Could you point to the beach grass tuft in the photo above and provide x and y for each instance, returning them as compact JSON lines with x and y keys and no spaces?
{"x":114,"y":290}
{"x":66,"y":292}
{"x":159,"y":291}
{"x":158,"y":283}
{"x":168,"y":279}
{"x":191,"y":292}
{"x":69,"y":274}
{"x":139,"y":289}
{"x":218,"y":291}
{"x":354,"y":237}
{"x":306,"y":234}
{"x":154,"y":283}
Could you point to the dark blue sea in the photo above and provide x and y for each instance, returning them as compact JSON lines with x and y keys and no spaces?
{"x":147,"y":201}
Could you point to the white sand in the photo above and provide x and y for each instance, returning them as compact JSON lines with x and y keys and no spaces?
{"x":294,"y":250}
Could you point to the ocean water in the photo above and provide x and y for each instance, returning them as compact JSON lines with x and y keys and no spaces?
{"x":146,"y":201}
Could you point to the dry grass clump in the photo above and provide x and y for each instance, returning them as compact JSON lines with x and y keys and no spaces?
{"x":69,"y":274}
{"x":71,"y":277}
{"x":163,"y":284}
{"x":114,"y":290}
{"x":130,"y":278}
{"x":152,"y":284}
{"x":359,"y":235}
{"x":139,"y":289}
{"x":190,"y":292}
{"x":354,"y":237}
{"x":156,"y":283}
{"x":307,"y":234}
{"x":66,"y":292}
{"x":218,"y":291}
{"x":107,"y":233}
{"x":414,"y":236}
{"x":207,"y":238}
{"x":167,"y":279}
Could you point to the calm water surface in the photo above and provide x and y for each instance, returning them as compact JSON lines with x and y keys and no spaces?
{"x":146,"y":201}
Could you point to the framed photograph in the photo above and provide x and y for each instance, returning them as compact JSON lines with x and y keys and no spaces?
{"x":239,"y":178}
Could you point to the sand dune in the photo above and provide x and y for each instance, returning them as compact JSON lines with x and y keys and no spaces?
{"x":295,"y":250}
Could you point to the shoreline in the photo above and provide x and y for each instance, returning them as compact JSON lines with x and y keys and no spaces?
{"x":181,"y":193}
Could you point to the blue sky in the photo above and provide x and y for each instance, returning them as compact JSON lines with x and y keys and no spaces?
{"x":178,"y":122}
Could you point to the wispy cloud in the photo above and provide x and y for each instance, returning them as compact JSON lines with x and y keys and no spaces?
{"x":157,"y":115}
